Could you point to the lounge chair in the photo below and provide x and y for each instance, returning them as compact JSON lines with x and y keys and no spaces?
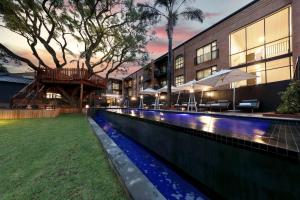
{"x":249,"y":104}
{"x":220,"y":105}
{"x":206,"y":105}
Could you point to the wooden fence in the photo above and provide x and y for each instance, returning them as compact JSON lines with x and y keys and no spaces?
{"x":26,"y":114}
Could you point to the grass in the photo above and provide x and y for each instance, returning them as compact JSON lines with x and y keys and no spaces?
{"x":54,"y":159}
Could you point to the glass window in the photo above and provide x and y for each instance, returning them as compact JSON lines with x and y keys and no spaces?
{"x":268,"y":72}
{"x":207,"y":53}
{"x":259,"y":71}
{"x":238,"y":41}
{"x":238,"y":59}
{"x":179,"y":62}
{"x":205,"y":72}
{"x":277,"y":26}
{"x":115,"y":86}
{"x":179,"y":80}
{"x":279,"y":74}
{"x":51,"y":95}
{"x":278,"y":70}
{"x":267,"y":38}
{"x":255,"y":54}
{"x":256,"y":35}
{"x":241,"y":83}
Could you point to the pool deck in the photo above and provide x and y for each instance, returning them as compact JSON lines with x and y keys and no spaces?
{"x":281,"y":138}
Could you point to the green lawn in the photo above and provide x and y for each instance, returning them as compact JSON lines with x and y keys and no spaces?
{"x":54,"y":159}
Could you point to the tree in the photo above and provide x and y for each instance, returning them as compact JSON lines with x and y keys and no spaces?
{"x":290,"y":99}
{"x":111,"y":33}
{"x":171,"y":11}
{"x":39,"y":22}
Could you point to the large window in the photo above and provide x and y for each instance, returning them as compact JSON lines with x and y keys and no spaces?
{"x":179,"y":63}
{"x":207,"y":53}
{"x":268,"y":72}
{"x":179,"y":80}
{"x":267,"y":38}
{"x":205,"y":72}
{"x":51,"y":95}
{"x":115,"y":86}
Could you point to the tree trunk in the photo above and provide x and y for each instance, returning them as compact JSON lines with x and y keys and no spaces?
{"x":169,"y":65}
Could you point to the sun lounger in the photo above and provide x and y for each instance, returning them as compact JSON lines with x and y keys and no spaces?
{"x":250,"y":104}
{"x":220,"y":105}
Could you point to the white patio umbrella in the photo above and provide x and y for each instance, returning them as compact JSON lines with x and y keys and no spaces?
{"x":225,"y":77}
{"x":191,"y":86}
{"x":165,"y":89}
{"x":149,"y":91}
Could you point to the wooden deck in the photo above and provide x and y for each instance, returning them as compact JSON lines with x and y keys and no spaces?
{"x":71,"y":76}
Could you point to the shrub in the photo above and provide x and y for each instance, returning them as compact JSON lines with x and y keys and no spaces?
{"x":290,"y":99}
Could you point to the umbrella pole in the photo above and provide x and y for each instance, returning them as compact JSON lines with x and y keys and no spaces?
{"x":158,"y":106}
{"x":201,"y":97}
{"x":233,"y":100}
{"x":177,"y":102}
{"x":141,"y":103}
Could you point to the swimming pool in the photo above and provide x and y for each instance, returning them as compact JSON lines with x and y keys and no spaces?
{"x":224,"y":153}
{"x":171,"y":185}
{"x":280,"y":134}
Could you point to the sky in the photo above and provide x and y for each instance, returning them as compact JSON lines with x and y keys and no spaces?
{"x":214,"y":11}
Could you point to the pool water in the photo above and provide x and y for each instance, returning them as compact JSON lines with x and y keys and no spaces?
{"x":170,"y":184}
{"x":243,"y":128}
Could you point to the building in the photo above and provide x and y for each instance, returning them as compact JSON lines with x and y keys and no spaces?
{"x":113,"y":93}
{"x":9,"y":86}
{"x":262,"y":38}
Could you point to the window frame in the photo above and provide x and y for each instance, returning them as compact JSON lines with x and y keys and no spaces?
{"x":179,"y":80}
{"x":213,"y":69}
{"x":179,"y":65}
{"x":288,"y":38}
{"x":213,"y":49}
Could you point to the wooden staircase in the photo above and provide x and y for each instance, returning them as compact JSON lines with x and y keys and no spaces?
{"x":30,"y":94}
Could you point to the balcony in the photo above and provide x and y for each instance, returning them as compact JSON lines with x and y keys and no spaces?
{"x":160,"y":72}
{"x":207,"y":57}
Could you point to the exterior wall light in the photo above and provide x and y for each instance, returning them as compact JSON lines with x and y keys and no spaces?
{"x":162,"y":97}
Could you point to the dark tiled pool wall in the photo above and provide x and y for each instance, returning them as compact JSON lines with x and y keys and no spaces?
{"x":232,"y":172}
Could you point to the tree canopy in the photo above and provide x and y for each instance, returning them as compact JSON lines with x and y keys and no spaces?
{"x":104,"y":34}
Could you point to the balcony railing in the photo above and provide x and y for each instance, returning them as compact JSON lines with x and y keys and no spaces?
{"x":207,"y":57}
{"x":278,"y":48}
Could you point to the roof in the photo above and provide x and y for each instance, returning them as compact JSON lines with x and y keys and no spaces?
{"x":14,"y":79}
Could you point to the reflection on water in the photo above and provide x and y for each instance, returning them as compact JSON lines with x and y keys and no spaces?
{"x":242,"y":128}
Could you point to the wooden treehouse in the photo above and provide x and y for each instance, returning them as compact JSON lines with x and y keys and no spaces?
{"x":69,"y":87}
